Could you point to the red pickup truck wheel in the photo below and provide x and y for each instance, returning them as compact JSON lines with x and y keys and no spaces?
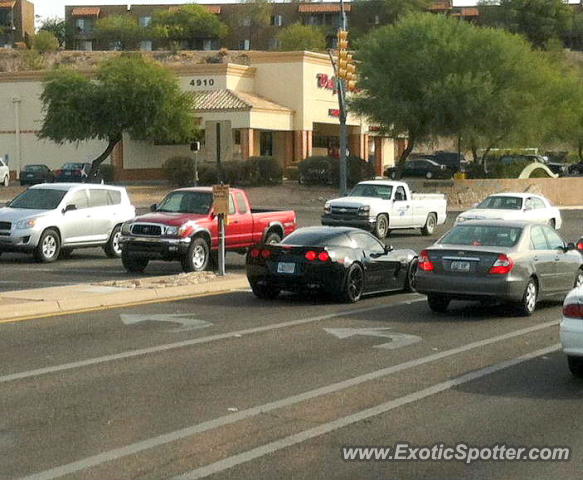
{"x":197,"y":257}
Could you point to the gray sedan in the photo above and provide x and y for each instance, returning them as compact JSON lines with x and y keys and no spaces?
{"x":486,"y":260}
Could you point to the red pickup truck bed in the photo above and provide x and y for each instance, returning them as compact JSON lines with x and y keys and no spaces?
{"x":184,"y":227}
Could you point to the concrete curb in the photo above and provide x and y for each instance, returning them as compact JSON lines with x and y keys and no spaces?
{"x":22,"y":304}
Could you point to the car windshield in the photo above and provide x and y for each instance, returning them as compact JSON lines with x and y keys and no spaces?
{"x":368,"y":190}
{"x":501,"y":203}
{"x":317,"y":238}
{"x":187,"y":202}
{"x":482,"y":235}
{"x":39,"y":199}
{"x":73,"y":166}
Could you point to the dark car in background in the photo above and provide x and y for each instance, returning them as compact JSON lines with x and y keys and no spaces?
{"x":77,"y":172}
{"x":558,"y":168}
{"x":341,"y":261}
{"x":33,"y":174}
{"x":419,"y":167}
{"x":496,"y":260}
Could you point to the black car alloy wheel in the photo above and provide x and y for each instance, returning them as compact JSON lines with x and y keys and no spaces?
{"x":354,"y":285}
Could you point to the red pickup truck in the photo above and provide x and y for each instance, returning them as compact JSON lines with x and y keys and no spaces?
{"x":184,"y":227}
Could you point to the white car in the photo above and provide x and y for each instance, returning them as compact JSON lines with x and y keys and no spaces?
{"x":571,"y":328}
{"x":514,"y":206}
{"x":4,"y":174}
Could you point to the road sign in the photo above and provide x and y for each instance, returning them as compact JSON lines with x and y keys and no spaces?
{"x":221,"y":199}
{"x":398,"y":340}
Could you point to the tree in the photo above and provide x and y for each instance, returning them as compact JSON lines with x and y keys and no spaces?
{"x":121,"y":31}
{"x":367,"y":14}
{"x":56,"y":26}
{"x":431,"y":75}
{"x":538,"y":20}
{"x":187,"y":24}
{"x":129,"y":95}
{"x":302,"y":37}
{"x":44,"y":41}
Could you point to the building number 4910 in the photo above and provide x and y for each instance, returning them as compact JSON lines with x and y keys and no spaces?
{"x":205,"y":82}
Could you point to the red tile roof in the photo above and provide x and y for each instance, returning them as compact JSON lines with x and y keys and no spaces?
{"x":211,"y":8}
{"x":439,"y":5}
{"x":322,"y":8}
{"x":7,"y":4}
{"x":86,"y":12}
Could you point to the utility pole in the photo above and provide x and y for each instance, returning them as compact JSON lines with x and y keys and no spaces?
{"x":345,"y":80}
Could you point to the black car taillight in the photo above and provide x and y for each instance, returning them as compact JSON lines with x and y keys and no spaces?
{"x":312,"y":256}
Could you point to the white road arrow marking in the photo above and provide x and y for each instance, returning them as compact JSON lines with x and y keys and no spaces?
{"x":186,"y":320}
{"x":398,"y":340}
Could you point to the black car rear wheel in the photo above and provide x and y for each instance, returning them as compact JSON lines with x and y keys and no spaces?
{"x":264,"y":292}
{"x":575,"y":366}
{"x":438,"y":303}
{"x":410,"y":279}
{"x":354,"y":284}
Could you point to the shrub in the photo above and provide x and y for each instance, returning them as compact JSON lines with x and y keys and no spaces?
{"x":107,"y":172}
{"x":180,"y":171}
{"x":207,"y":174}
{"x":359,"y":170}
{"x":291,"y":173}
{"x":45,"y":41}
{"x":317,"y":170}
{"x":264,"y":170}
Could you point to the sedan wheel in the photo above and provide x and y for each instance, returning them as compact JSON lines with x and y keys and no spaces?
{"x":528,"y":304}
{"x":553,"y":223}
{"x":354,"y":285}
{"x":575,"y":366}
{"x":429,"y":175}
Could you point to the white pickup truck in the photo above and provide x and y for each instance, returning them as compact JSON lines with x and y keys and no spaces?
{"x":380,"y":206}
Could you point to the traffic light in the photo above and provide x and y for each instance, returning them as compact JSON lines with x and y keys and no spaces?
{"x":346,"y":67}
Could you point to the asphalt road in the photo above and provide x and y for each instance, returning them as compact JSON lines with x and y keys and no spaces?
{"x":231,"y":387}
{"x":19,"y":271}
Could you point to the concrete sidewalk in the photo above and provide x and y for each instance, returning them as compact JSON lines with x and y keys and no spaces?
{"x":18,"y":305}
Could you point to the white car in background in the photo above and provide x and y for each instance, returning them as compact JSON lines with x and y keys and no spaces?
{"x":571,"y":328}
{"x":514,"y":206}
{"x":4,"y":174}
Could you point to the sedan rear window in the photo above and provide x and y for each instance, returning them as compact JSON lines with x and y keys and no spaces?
{"x":317,"y":238}
{"x":502,"y":203}
{"x":39,"y":199}
{"x":482,"y":235}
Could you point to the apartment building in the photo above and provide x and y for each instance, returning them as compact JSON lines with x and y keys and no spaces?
{"x":245,"y":31}
{"x":16,"y":22}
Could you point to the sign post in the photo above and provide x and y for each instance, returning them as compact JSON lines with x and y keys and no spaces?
{"x":221,"y":209}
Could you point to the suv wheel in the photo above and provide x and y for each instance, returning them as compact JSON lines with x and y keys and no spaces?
{"x":133,"y":264}
{"x":49,"y":246}
{"x":197,"y":257}
{"x":113,"y":248}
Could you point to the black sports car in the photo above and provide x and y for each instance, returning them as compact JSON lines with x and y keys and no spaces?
{"x":344,"y":262}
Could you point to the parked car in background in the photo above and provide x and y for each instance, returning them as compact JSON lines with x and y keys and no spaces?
{"x":514,"y":206}
{"x":557,"y":168}
{"x":379,"y":206}
{"x":77,"y":172}
{"x":55,"y":218}
{"x":420,"y":167}
{"x":344,"y":262}
{"x":571,"y":330}
{"x":453,"y":161}
{"x":184,"y":227}
{"x":576,"y":169}
{"x":33,"y":174}
{"x":4,"y":174}
{"x":509,"y":261}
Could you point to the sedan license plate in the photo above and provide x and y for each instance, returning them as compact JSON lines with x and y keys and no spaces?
{"x":283,"y":267}
{"x":457,"y":266}
{"x":29,"y":175}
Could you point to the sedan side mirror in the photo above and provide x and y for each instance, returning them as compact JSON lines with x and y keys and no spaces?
{"x":153,"y":207}
{"x":69,"y":208}
{"x":388,"y":248}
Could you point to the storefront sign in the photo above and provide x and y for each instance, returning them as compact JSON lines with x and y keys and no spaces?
{"x":334,"y":112}
{"x":325,"y":81}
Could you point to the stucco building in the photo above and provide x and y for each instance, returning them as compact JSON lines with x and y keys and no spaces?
{"x":281,"y":104}
{"x":16,"y":22}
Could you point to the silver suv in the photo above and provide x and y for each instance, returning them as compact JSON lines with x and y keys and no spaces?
{"x":52,"y":219}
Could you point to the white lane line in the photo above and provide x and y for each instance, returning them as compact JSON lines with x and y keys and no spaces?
{"x":329,"y":427}
{"x":166,"y":438}
{"x":196,"y":341}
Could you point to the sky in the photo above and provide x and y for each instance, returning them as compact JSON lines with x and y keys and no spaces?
{"x":56,"y":8}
